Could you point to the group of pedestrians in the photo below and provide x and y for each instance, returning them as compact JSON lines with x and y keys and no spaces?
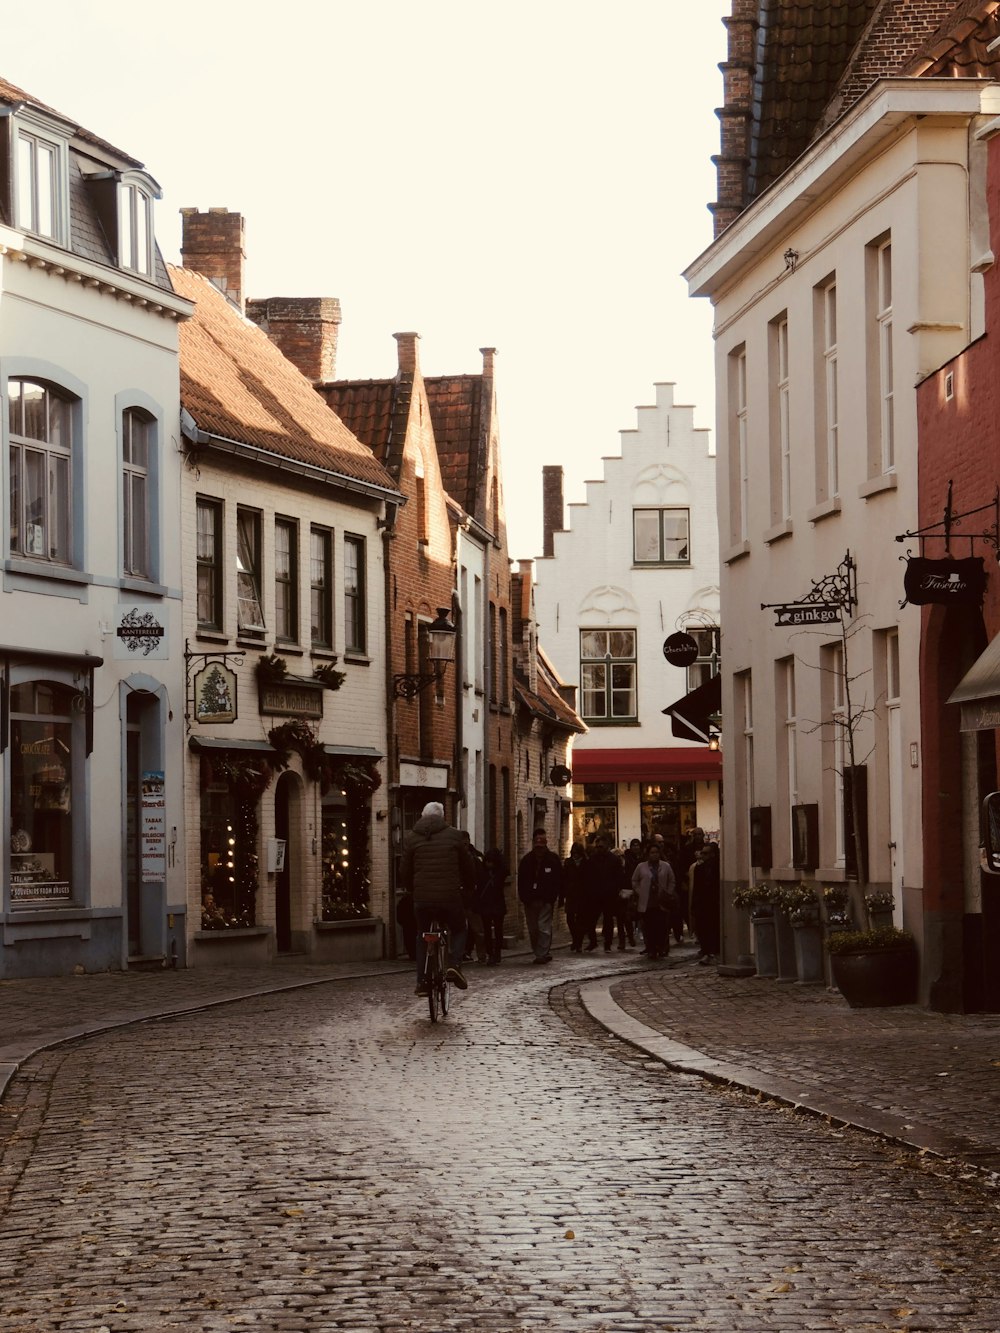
{"x":641,"y":894}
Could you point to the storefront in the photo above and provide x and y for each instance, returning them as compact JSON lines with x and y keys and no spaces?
{"x":634,"y":793}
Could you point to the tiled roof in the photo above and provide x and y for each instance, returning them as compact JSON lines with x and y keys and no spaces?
{"x":10,"y":93}
{"x":815,"y":58}
{"x":456,"y":412}
{"x":546,"y":702}
{"x":365,"y":407}
{"x":237,"y":385}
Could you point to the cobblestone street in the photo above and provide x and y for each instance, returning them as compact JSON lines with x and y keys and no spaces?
{"x":327,"y":1159}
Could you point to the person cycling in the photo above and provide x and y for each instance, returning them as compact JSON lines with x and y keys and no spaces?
{"x":436,"y":866}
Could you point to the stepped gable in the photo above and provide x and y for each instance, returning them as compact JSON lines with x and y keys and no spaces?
{"x":456,"y":413}
{"x":238,"y":386}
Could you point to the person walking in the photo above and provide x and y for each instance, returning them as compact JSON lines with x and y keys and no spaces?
{"x":574,"y":894}
{"x":605,"y":879}
{"x":705,"y":905}
{"x":539,"y":876}
{"x":437,"y":867}
{"x":493,"y":902}
{"x":656,"y":893}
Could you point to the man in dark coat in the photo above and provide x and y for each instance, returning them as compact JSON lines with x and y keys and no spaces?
{"x":539,"y":876}
{"x":604,"y":877}
{"x":437,"y":865}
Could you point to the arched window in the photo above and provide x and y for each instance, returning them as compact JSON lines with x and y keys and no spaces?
{"x":41,"y":472}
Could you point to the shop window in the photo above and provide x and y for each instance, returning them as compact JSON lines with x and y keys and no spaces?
{"x":231,"y":788}
{"x":43,"y":718}
{"x":668,"y":808}
{"x":346,"y":821}
{"x":595,"y":810}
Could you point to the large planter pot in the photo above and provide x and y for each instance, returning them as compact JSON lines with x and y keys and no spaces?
{"x":876,"y":979}
{"x":765,"y":944}
{"x":808,"y":952}
{"x":785,"y":939}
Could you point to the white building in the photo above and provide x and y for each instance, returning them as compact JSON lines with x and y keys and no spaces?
{"x":836,"y":290}
{"x":91,"y":652}
{"x":637,"y":564}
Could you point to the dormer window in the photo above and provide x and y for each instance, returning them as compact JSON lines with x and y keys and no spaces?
{"x":135,"y":228}
{"x":40,"y":184}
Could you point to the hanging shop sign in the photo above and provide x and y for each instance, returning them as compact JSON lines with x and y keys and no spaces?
{"x":945,"y":582}
{"x":292,"y":698}
{"x":831,"y":597}
{"x":140,"y":632}
{"x":680,"y":649}
{"x":215,"y":697}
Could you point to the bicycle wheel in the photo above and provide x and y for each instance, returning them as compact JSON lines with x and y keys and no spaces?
{"x":433,"y":997}
{"x":445,"y":993}
{"x":432,"y":977}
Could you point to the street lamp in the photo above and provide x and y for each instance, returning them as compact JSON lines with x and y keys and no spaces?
{"x":440,"y":651}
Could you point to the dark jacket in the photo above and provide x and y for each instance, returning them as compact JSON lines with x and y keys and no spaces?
{"x":437,"y":863}
{"x":492,"y":897}
{"x":539,"y":877}
{"x":604,"y":877}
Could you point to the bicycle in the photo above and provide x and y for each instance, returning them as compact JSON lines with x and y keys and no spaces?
{"x":436,"y":970}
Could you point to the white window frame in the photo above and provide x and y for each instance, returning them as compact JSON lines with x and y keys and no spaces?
{"x":32,"y":143}
{"x":355,"y":594}
{"x":137,"y":489}
{"x":209,"y":582}
{"x":136,"y":244}
{"x":831,"y":388}
{"x":47,"y":459}
{"x":883,"y":318}
{"x":249,"y":573}
{"x":784,"y":420}
{"x":743,"y":442}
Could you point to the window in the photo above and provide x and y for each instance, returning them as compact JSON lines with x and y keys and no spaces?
{"x":136,"y":439}
{"x":701,"y":671}
{"x":828,"y":474}
{"x":781,"y":446}
{"x":739,"y":454}
{"x":595,"y":811}
{"x":286,"y":579}
{"x":355,"y":620}
{"x":42,"y":725}
{"x":321,"y":586}
{"x":838,"y":716}
{"x":209,"y":562}
{"x":40,"y":185}
{"x":503,"y":691}
{"x":41,"y":476}
{"x":135,"y":228}
{"x":884,"y":321}
{"x":786,"y":685}
{"x":249,"y":613}
{"x":608,"y":674}
{"x":660,"y":536}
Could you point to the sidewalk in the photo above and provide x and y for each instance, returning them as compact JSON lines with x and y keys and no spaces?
{"x":925,"y":1080}
{"x":929,"y":1081}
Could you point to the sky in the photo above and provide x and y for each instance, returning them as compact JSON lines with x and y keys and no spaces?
{"x":531,"y":175}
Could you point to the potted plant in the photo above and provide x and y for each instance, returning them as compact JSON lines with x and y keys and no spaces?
{"x":328,"y":676}
{"x":758,"y":900}
{"x":801,"y":908}
{"x":879,"y":906}
{"x":874,"y":968}
{"x":271,"y":669}
{"x":837,"y":907}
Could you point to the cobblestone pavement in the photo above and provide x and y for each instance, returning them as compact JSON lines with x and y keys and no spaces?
{"x":326,"y":1159}
{"x":927,"y":1080}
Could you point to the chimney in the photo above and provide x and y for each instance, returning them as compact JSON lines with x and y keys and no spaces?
{"x":213,"y":245}
{"x":552,"y":507}
{"x":304,"y":329}
{"x":409,"y":352}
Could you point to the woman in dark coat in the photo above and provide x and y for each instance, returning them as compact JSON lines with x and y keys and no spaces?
{"x":579,"y":918}
{"x":705,"y":907}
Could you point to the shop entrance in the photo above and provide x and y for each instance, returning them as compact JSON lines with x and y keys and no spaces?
{"x":669,"y":808}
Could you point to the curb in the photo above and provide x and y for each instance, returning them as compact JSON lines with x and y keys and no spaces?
{"x":913,"y":1135}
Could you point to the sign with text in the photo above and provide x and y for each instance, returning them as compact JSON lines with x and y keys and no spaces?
{"x":154,"y":828}
{"x":292,"y":699}
{"x":141,"y":632}
{"x":807,"y":613}
{"x":945,"y":582}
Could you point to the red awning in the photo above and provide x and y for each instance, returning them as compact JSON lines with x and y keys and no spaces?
{"x":667,"y":764}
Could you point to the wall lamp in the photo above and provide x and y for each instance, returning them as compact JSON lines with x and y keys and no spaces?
{"x":440,"y":651}
{"x":715,"y":740}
